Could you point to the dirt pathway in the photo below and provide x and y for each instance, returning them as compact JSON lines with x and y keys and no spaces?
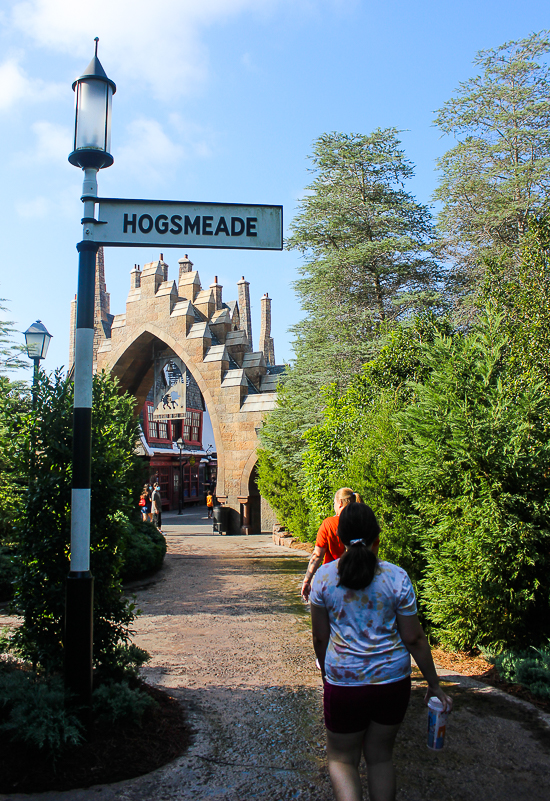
{"x":230,"y":639}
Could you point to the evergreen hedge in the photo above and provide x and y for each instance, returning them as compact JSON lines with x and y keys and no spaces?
{"x":475,"y":456}
{"x":42,"y":530}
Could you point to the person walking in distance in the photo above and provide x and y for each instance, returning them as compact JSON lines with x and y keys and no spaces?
{"x":210,"y":504}
{"x":157,"y":507}
{"x":145,"y":504}
{"x":365,"y":628}
{"x":327,"y":545}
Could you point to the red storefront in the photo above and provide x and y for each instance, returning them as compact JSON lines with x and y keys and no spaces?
{"x":188,"y":476}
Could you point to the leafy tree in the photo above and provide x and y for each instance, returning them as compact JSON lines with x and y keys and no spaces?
{"x":282,"y":434}
{"x":497,"y":176}
{"x":475,"y":468}
{"x":43,"y":528}
{"x":359,"y":443}
{"x":283,"y":494}
{"x":522,"y":295}
{"x":14,"y":406}
{"x":366,"y":243}
{"x":10,"y":354}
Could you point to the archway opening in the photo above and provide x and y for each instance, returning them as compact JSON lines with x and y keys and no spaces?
{"x":171,"y":409}
{"x":254,"y":503}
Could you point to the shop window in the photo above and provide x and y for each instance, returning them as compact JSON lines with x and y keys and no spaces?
{"x":195,"y":426}
{"x":192,"y":426}
{"x":152,"y":424}
{"x":187,"y":427}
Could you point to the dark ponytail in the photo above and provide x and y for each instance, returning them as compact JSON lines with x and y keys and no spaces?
{"x":357,"y":528}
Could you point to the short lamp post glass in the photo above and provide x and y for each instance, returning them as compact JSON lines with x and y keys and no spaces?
{"x":92,"y":133}
{"x":37,"y":340}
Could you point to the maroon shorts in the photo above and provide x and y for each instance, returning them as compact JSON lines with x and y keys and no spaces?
{"x":351,"y":708}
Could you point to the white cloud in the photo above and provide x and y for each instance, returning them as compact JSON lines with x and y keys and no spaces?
{"x":53,"y":142}
{"x":64,"y":202}
{"x":158,"y":44}
{"x":152,"y":148}
{"x":50,"y":145}
{"x":16,"y":86}
{"x":37,"y":208}
{"x":149,"y":150}
{"x":194,"y":139}
{"x":13,"y":84}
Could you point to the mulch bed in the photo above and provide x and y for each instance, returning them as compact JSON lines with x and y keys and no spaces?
{"x":114,"y":752}
{"x":476,"y":667}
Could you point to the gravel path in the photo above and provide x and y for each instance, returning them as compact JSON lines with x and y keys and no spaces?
{"x":230,"y":638}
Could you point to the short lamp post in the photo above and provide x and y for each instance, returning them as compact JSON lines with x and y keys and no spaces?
{"x":180,"y":443}
{"x":92,"y":143}
{"x":37,"y":341}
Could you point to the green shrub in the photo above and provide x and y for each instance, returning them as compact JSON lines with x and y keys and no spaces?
{"x":7,"y":573}
{"x":117,"y":701}
{"x":475,"y":468}
{"x":359,"y":442}
{"x":34,"y":712}
{"x":529,"y":668}
{"x":43,"y":528}
{"x":5,"y":640}
{"x":124,"y":664}
{"x":14,"y":409}
{"x":277,"y":485}
{"x":144,"y":550}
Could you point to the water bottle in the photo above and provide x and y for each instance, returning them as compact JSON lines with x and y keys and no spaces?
{"x":437,"y":720}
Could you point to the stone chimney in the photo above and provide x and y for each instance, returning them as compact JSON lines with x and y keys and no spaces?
{"x":266,"y":340}
{"x":102,"y":297}
{"x":244,"y":309}
{"x":217,"y":290}
{"x":186,"y":266}
{"x":164,"y":267}
{"x":135,"y":277}
{"x":102,"y":308}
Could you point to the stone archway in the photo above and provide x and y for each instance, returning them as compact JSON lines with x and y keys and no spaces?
{"x":207,"y":334}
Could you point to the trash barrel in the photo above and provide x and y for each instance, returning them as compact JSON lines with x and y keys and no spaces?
{"x":221,"y":518}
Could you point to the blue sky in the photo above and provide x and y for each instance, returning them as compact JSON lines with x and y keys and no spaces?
{"x":217,"y":100}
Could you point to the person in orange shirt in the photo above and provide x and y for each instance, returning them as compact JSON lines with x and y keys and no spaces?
{"x":328,"y":546}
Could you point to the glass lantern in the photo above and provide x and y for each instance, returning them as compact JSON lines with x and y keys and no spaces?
{"x":92,"y":134}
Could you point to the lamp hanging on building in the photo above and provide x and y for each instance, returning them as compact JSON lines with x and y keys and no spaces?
{"x":92,"y":131}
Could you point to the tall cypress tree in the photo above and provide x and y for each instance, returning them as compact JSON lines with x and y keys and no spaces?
{"x":367,"y":265}
{"x":366,"y":245}
{"x":496,"y":177}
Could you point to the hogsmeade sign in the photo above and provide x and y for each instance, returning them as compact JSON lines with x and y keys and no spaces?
{"x":178,"y":224}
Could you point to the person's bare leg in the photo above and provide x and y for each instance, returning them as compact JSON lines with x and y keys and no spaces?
{"x":344,"y":755}
{"x":378,"y":749}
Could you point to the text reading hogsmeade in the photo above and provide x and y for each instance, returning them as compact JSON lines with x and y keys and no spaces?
{"x":205,"y":225}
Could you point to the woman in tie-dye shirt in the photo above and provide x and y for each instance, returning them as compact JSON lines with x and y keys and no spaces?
{"x":365,"y":628}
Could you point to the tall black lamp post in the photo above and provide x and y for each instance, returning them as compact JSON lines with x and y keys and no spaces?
{"x":37,"y":341}
{"x":180,"y":443}
{"x":92,"y":142}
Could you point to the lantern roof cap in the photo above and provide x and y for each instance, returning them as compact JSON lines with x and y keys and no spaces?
{"x":38,"y":328}
{"x":95,"y":70}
